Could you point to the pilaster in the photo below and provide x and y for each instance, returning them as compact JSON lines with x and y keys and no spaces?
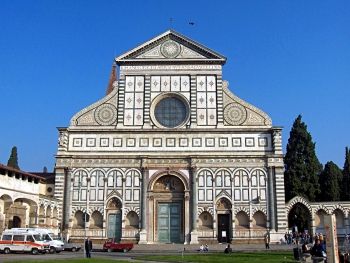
{"x":194,"y":233}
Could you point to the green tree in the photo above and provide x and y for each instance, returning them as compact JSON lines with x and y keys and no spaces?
{"x":329,"y":182}
{"x":346,"y":177}
{"x":13,"y":160}
{"x":302,"y":168}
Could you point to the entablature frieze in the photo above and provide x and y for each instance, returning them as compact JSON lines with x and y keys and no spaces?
{"x":98,"y":162}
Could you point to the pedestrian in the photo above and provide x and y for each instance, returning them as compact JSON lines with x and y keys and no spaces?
{"x":88,"y":247}
{"x":267,"y":241}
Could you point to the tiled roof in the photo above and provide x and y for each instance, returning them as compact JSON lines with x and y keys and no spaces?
{"x":16,"y":171}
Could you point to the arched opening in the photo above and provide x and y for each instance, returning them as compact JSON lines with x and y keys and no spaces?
{"x":132,"y":220}
{"x":339,"y":218}
{"x":78,"y":220}
{"x":205,"y":221}
{"x":242,"y":221}
{"x":15,"y":222}
{"x":114,"y":219}
{"x":223,"y":209}
{"x":41,"y":215}
{"x":25,"y":209}
{"x":48,"y":216}
{"x":55,"y":217}
{"x":168,"y":208}
{"x":259,"y":220}
{"x":319,"y":221}
{"x":299,"y":218}
{"x":5,"y":204}
{"x":96,"y":220}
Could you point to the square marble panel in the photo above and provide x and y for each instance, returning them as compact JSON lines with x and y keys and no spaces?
{"x":117,"y":142}
{"x":236,"y":142}
{"x":262,"y":142}
{"x":104,"y":142}
{"x":223,"y":142}
{"x":249,"y":142}
{"x":157,"y":142}
{"x":209,"y":142}
{"x":196,"y":142}
{"x":144,"y":142}
{"x":170,"y":142}
{"x":77,"y":142}
{"x":90,"y":142}
{"x":183,"y":142}
{"x":130,"y":142}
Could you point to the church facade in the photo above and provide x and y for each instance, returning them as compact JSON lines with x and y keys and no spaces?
{"x":170,"y":154}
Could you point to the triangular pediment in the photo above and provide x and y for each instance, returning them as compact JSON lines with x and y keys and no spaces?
{"x":171,"y":46}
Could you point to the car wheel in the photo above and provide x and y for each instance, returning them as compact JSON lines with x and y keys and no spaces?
{"x":35,"y":251}
{"x":125,"y":250}
{"x":58,"y":251}
{"x":7,"y":250}
{"x":52,"y":250}
{"x":74,"y":249}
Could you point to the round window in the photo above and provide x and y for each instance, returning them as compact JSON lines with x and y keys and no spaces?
{"x":170,"y":112}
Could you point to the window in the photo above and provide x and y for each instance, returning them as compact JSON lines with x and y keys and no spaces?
{"x":6,"y":237}
{"x":18,"y":237}
{"x":30,"y":239}
{"x":170,"y":112}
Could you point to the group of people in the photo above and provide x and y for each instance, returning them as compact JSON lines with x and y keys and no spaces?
{"x":204,"y":248}
{"x":296,"y":238}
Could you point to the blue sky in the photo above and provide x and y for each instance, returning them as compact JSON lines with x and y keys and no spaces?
{"x":285,"y":57}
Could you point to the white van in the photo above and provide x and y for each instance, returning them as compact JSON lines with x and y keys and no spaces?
{"x":22,"y":241}
{"x":56,"y":245}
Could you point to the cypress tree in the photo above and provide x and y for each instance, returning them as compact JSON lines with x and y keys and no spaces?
{"x":329,"y":182}
{"x":302,"y":168}
{"x":346,"y":176}
{"x":13,"y":160}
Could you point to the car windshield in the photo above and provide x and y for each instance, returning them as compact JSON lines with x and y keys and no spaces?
{"x":37,"y":237}
{"x":47,"y":237}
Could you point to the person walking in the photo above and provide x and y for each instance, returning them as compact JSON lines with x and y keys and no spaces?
{"x":267,"y":241}
{"x":88,"y":247}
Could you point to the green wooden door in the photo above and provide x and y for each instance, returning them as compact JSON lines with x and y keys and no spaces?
{"x":115,"y":226}
{"x":169,"y":222}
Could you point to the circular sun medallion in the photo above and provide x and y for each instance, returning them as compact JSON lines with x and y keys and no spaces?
{"x":170,"y":49}
{"x":106,"y":114}
{"x":235,"y":114}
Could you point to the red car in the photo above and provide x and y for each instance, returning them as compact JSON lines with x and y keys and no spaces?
{"x":110,"y":246}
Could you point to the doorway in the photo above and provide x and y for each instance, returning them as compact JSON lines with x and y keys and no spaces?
{"x":169,"y":222}
{"x":114,"y":226}
{"x":224,"y":228}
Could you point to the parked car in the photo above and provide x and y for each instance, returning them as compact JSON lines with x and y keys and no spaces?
{"x":72,"y":247}
{"x":110,"y":245}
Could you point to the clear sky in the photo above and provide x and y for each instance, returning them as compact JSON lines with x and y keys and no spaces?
{"x":285,"y":57}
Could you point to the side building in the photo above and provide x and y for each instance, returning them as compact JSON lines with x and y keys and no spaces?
{"x":170,"y":154}
{"x":27,"y":200}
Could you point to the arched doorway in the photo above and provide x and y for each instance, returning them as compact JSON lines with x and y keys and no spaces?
{"x":168,"y":206}
{"x":299,"y":218}
{"x":223,"y":208}
{"x":15,"y":222}
{"x":114,"y":219}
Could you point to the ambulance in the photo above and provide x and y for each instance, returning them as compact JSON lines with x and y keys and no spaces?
{"x":22,"y":241}
{"x":56,"y":245}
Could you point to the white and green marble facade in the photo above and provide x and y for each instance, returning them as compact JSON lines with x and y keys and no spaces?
{"x":225,"y":158}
